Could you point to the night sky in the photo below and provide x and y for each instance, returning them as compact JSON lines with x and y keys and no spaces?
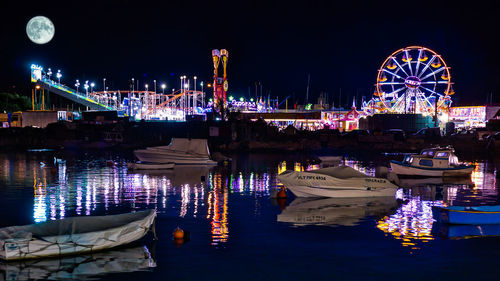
{"x":341,"y":44}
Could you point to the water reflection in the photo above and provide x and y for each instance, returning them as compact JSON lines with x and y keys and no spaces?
{"x":336,"y":211}
{"x":83,"y":267}
{"x":85,"y":186}
{"x":412,"y":224}
{"x":468,"y":231}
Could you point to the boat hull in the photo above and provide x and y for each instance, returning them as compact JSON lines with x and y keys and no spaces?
{"x":341,"y":192}
{"x":402,"y":169}
{"x":150,"y":166}
{"x":474,"y":217}
{"x":310,"y":184}
{"x":152,"y":156}
{"x":69,"y":242}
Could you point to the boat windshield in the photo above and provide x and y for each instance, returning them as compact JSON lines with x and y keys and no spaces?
{"x":407,"y":159}
{"x":442,"y":154}
{"x":428,"y":153}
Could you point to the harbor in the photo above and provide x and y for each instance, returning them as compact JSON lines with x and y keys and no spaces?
{"x":249,"y":140}
{"x":230,"y":215}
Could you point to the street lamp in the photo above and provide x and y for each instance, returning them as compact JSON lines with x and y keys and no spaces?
{"x":195,"y":83}
{"x":49,"y":72}
{"x":77,"y":84}
{"x":92,"y":87}
{"x":132,"y":84}
{"x":147,"y":87}
{"x":154,"y":81}
{"x":163,"y":86}
{"x":104,"y":84}
{"x":86,"y":86}
{"x":59,"y":75}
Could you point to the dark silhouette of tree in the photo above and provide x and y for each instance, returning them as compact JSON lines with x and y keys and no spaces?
{"x":10,"y":102}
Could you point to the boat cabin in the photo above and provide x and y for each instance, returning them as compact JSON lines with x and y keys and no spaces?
{"x":433,"y":158}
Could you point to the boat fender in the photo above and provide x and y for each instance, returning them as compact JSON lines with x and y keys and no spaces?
{"x":282,"y":193}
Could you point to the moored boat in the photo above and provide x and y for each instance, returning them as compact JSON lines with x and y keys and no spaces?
{"x":341,"y":181}
{"x":180,"y":151}
{"x":150,"y":166}
{"x":432,"y":162}
{"x":467,"y":215}
{"x":73,"y":235}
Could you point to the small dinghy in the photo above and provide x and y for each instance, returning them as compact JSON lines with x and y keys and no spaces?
{"x":341,"y":181}
{"x":150,"y":166}
{"x":73,"y":235}
{"x":467,"y":215}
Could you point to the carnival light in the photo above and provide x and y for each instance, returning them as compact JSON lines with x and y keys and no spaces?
{"x":405,"y":85}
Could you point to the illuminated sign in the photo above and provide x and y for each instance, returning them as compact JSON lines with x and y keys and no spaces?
{"x":36,"y":72}
{"x":412,"y":82}
{"x":468,"y":112}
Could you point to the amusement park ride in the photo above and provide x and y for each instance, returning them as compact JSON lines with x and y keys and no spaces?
{"x":220,"y":83}
{"x":148,"y":105}
{"x":414,"y":79}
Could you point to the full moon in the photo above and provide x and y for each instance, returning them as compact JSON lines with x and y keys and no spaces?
{"x":40,"y":30}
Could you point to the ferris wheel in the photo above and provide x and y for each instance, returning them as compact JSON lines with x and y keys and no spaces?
{"x":414,"y":79}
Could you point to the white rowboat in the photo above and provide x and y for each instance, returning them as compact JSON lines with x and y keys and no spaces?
{"x":73,"y":235}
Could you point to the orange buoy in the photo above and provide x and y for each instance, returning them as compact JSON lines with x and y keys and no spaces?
{"x":178,"y":233}
{"x":282,"y":192}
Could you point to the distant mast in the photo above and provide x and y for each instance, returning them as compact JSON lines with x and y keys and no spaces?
{"x":307,"y":90}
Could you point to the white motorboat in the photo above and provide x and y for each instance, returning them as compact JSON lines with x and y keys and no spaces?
{"x":180,"y":151}
{"x":341,"y":181}
{"x":150,"y":166}
{"x":73,"y":235}
{"x":89,"y":266}
{"x":336,"y":211}
{"x":432,"y":162}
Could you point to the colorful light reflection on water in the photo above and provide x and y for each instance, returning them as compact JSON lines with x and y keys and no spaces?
{"x":412,"y":223}
{"x":86,"y":187}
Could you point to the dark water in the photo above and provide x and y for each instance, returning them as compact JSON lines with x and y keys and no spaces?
{"x":237,"y":232}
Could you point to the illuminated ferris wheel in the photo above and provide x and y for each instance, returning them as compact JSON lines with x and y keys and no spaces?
{"x":412,"y":80}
